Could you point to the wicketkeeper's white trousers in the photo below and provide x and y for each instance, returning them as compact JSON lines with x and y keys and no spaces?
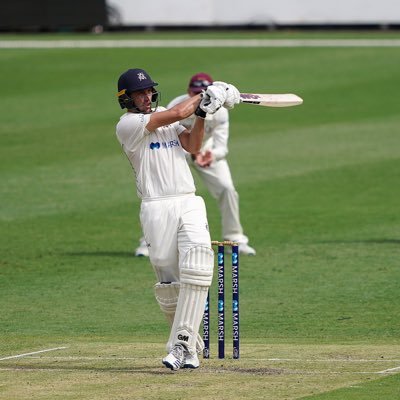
{"x":218,"y":180}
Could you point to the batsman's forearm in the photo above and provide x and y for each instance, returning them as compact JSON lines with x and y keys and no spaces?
{"x":196,"y":136}
{"x":187,"y":107}
{"x":177,"y":113}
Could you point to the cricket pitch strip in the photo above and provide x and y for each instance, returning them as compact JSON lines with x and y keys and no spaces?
{"x":100,"y":370}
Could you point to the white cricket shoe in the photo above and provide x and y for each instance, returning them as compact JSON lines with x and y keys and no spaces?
{"x":142,"y":250}
{"x":244,"y":249}
{"x":191,"y":361}
{"x":175,"y":359}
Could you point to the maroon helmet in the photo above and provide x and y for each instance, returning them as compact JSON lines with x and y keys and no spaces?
{"x":200,"y":82}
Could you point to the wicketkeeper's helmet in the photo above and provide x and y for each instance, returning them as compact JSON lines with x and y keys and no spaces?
{"x":133,"y":80}
{"x":200,"y":82}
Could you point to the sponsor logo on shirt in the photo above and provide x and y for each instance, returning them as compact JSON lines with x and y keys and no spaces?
{"x":154,"y":145}
{"x":164,"y":145}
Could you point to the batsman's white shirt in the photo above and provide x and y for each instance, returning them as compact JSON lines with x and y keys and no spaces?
{"x":173,"y":219}
{"x":157,"y":158}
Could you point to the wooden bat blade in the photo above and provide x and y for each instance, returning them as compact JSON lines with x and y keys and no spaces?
{"x":271,"y":100}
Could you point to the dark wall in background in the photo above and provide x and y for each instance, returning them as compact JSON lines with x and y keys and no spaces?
{"x":51,"y":15}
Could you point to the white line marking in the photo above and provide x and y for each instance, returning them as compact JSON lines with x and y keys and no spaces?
{"x":321,"y":360}
{"x":386,"y":371}
{"x":123,"y":43}
{"x":99,"y":358}
{"x":33,"y":352}
{"x":207,"y":370}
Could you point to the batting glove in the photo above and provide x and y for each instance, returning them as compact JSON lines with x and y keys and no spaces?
{"x":232,"y":94}
{"x":213,"y":99}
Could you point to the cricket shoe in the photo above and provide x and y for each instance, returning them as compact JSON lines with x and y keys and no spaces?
{"x":142,"y":250}
{"x":191,"y":361}
{"x":176,"y":358}
{"x":246,"y":250}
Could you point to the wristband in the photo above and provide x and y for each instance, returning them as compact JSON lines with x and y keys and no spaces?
{"x":200,"y":113}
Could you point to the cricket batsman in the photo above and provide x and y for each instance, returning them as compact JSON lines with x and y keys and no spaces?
{"x":173,"y":218}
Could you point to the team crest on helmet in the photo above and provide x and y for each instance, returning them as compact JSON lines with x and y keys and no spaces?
{"x":141,"y":76}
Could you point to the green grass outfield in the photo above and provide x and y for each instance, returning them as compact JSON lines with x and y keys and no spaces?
{"x":319,"y":187}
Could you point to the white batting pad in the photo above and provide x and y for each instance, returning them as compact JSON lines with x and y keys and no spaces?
{"x":188,"y":316}
{"x":197,"y":266}
{"x":167,"y":298}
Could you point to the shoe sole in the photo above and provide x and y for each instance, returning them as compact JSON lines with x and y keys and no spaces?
{"x":168,"y":365}
{"x":171,"y":366}
{"x":186,"y":366}
{"x":190,"y":366}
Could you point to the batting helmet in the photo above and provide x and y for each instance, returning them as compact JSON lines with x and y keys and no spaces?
{"x":133,"y":80}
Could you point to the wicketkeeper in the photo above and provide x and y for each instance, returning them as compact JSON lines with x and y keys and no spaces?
{"x":173,"y":218}
{"x":211,"y":164}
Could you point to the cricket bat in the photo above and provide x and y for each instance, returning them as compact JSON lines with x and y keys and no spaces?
{"x":271,"y":100}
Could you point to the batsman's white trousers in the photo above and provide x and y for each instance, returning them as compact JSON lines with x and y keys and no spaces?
{"x":218,"y":180}
{"x":171,"y":227}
